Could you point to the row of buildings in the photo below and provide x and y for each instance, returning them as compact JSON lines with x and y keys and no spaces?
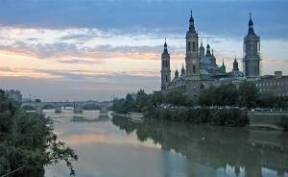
{"x":201,"y":70}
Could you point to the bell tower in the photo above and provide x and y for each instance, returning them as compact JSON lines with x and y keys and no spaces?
{"x":165,"y":68}
{"x":252,"y":59}
{"x":192,"y":54}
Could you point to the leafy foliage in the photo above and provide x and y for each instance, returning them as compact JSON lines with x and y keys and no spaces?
{"x":228,"y":94}
{"x":28,"y":142}
{"x":220,"y":105}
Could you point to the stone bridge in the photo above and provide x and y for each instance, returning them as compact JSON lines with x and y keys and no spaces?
{"x":79,"y":105}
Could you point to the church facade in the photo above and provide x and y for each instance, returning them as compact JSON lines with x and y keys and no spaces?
{"x":201,"y":70}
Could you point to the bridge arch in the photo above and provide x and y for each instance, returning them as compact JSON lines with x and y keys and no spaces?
{"x":28,"y":107}
{"x":48,"y":106}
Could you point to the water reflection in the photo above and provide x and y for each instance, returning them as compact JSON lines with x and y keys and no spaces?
{"x":122,"y":148}
{"x":216,"y":151}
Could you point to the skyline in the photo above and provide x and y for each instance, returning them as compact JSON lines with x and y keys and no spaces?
{"x":60,"y":49}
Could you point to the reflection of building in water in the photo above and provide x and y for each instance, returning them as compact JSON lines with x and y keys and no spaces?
{"x":216,"y":150}
{"x":201,"y":69}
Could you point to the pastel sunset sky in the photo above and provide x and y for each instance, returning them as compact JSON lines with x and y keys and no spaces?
{"x":100,"y":49}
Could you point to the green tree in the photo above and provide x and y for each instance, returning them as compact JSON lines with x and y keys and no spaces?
{"x":177,"y":98}
{"x":248,"y":94}
{"x":28,"y":143}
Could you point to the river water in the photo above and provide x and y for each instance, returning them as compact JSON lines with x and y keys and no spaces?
{"x":117,"y":147}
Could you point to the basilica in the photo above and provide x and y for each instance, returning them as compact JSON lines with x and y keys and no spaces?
{"x":201,"y":70}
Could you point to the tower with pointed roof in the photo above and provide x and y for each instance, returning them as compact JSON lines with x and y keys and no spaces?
{"x":235,"y":65}
{"x":223,"y":67}
{"x":165,"y":68}
{"x":202,"y":50}
{"x":176,"y":74}
{"x":208,"y":51}
{"x":192,"y":55}
{"x":183,"y":71}
{"x":252,"y":59}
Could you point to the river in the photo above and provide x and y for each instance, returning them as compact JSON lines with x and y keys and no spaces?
{"x":117,"y":147}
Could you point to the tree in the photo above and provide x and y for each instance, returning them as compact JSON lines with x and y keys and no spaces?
{"x":248,"y":94}
{"x":28,"y":142}
{"x":226,"y":94}
{"x":177,"y":98}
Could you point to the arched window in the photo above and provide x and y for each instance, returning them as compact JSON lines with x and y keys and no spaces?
{"x":189,"y":46}
{"x":166,"y":78}
{"x":194,"y":69}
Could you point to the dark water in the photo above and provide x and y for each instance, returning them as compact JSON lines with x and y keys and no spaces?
{"x":122,"y":148}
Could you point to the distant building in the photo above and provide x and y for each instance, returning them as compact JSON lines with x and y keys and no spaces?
{"x":202,"y":70}
{"x":14,"y":95}
{"x":275,"y":85}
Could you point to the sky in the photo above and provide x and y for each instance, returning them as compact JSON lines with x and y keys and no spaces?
{"x":100,"y":49}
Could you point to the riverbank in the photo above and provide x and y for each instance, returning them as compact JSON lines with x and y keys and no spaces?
{"x":175,"y":106}
{"x":220,"y":116}
{"x":271,"y":120}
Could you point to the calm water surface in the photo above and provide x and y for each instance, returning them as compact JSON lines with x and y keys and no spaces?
{"x":115,"y":147}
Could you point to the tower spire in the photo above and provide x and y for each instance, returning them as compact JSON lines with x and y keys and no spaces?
{"x":191,"y":23}
{"x":182,"y":70}
{"x":235,"y":65}
{"x":165,"y":47}
{"x":251,"y":24}
{"x":208,"y":51}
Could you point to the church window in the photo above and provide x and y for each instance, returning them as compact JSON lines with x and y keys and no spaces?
{"x":166,"y":78}
{"x":189,"y":46}
{"x":194,"y":69}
